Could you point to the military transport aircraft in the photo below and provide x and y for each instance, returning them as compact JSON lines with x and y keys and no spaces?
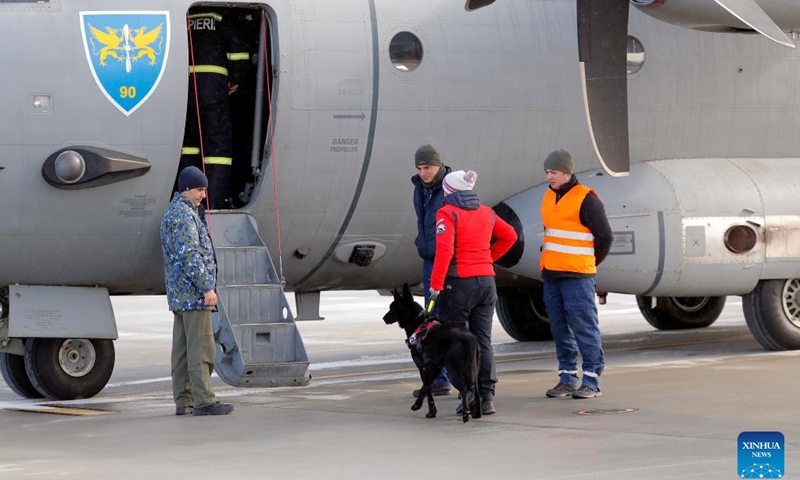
{"x":684,"y":115}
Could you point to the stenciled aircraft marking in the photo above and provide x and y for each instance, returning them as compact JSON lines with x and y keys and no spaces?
{"x":127,"y":53}
{"x":358,"y":117}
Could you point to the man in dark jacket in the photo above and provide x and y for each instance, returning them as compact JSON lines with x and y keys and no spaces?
{"x":463,"y":270}
{"x":577,"y":238}
{"x":190,"y":272}
{"x":428,"y":198}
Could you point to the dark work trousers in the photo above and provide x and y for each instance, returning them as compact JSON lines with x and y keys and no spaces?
{"x":193,"y":353}
{"x":217,"y":149}
{"x":470,"y":301}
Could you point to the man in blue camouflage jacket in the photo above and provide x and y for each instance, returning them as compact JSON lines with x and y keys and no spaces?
{"x":190,"y":272}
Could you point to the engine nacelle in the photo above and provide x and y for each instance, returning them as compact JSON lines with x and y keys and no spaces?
{"x":689,"y":227}
{"x":708,"y":15}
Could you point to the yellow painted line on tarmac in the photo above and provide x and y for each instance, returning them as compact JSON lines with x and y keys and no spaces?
{"x":55,"y":410}
{"x":615,"y":411}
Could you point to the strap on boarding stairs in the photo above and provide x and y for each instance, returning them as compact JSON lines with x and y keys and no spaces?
{"x":258,"y":344}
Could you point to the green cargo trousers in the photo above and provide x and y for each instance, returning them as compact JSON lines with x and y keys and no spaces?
{"x":193,"y":353}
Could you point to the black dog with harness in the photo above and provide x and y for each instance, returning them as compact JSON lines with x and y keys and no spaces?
{"x":434,"y":345}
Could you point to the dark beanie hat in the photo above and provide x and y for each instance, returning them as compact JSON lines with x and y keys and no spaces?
{"x":191,"y":177}
{"x":559,"y":160}
{"x":427,"y":155}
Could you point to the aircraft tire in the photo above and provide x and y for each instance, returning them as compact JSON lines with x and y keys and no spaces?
{"x":681,"y":313}
{"x":772,"y":313}
{"x":522,"y":313}
{"x":13,"y":369}
{"x":66,"y":369}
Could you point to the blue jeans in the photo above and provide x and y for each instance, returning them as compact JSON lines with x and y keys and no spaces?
{"x":427,"y":268}
{"x":573,"y":321}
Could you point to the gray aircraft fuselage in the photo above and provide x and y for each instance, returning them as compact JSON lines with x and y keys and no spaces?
{"x":698,"y":142}
{"x":714,"y":128}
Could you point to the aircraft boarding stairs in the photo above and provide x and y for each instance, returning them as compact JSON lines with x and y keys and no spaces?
{"x":258,"y":344}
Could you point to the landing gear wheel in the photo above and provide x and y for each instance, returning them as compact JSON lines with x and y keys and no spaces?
{"x":66,"y":369}
{"x":13,"y":369}
{"x":681,"y":313}
{"x":522,"y":313}
{"x":772,"y":313}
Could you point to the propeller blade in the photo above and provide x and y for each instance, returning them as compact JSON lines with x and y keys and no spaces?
{"x":476,"y":4}
{"x":602,"y":51}
{"x":749,"y":12}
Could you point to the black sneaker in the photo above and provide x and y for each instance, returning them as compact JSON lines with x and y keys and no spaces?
{"x":215,"y":408}
{"x":184,"y":410}
{"x":586,"y":392}
{"x":436,"y":390}
{"x":561,"y":390}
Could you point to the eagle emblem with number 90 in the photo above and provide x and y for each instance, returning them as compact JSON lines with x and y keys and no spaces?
{"x":127,"y":53}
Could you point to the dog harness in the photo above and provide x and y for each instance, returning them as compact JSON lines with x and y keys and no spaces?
{"x":416,"y":338}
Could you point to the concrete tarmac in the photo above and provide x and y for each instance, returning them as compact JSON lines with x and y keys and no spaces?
{"x":674,"y":404}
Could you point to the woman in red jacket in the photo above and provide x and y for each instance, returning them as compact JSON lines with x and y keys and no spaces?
{"x":463,"y":271}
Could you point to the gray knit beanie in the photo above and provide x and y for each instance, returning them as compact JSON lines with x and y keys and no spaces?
{"x":427,"y":155}
{"x":559,"y":160}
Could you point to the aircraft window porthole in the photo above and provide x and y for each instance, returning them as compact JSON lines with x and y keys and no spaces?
{"x":636,"y":55}
{"x":405,"y":51}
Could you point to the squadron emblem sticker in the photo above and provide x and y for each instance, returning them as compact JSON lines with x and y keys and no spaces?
{"x":127,"y":53}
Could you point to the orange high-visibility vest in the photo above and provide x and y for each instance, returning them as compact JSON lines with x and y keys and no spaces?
{"x":568,"y":245}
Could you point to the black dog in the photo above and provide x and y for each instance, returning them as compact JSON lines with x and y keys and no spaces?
{"x":434,"y":346}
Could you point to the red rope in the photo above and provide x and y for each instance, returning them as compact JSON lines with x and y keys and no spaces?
{"x":197,"y":109}
{"x":271,"y":123}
